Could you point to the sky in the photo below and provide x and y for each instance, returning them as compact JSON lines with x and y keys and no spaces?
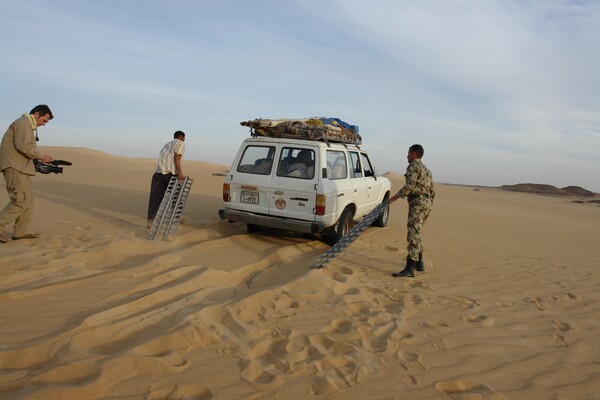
{"x":497,"y":91}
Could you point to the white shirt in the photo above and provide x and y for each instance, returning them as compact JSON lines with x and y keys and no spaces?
{"x":166,"y":160}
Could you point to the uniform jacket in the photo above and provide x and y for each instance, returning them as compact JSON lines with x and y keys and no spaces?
{"x":18,"y":148}
{"x":418,"y":181}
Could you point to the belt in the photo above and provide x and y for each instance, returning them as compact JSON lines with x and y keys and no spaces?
{"x":414,"y":196}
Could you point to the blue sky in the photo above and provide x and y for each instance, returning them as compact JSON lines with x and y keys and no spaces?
{"x":498,"y":92}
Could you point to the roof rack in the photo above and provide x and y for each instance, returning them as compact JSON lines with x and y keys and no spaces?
{"x":325,"y":129}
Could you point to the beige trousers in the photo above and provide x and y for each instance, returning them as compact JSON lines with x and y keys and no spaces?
{"x":20,"y":208}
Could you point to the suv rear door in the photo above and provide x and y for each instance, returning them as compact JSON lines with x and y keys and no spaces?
{"x":293,"y":185}
{"x":250,"y":179}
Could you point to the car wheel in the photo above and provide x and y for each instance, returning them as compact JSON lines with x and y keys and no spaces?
{"x":382,"y":220}
{"x":343,"y":226}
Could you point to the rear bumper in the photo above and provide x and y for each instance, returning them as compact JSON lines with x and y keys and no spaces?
{"x":271,"y":222}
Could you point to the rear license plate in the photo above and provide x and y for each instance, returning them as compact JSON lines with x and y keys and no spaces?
{"x":249,"y":197}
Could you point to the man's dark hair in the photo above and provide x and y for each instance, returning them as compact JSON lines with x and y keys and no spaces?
{"x":178,"y":134}
{"x":42,"y":110}
{"x":417,"y":148}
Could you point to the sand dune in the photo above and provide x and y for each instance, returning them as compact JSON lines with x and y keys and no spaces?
{"x":507,"y":308}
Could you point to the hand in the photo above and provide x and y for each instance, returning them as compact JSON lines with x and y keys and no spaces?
{"x":180,"y":176}
{"x":46,"y":159}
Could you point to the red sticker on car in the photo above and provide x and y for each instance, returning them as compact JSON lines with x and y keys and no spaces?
{"x":280,"y":203}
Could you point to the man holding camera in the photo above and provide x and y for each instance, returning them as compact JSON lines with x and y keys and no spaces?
{"x":18,"y":150}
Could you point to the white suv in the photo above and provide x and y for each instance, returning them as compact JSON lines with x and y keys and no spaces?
{"x":302,"y":185}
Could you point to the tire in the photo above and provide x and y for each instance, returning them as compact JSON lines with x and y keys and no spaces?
{"x":382,"y":220}
{"x":251,"y":228}
{"x":342,"y":227}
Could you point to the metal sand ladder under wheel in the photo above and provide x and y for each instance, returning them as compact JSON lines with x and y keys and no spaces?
{"x":345,"y":241}
{"x":171,"y":208}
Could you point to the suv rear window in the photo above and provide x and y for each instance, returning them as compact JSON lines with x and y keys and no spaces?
{"x":337,"y":166}
{"x":257,"y":160}
{"x":296,"y":163}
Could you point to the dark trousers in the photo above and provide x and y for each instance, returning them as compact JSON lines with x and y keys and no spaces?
{"x":158,"y":188}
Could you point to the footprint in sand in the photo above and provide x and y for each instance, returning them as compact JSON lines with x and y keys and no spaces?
{"x":339,"y":326}
{"x":558,"y":329}
{"x":339,"y":277}
{"x":321,"y":385}
{"x":346,"y":271}
{"x":559,"y":340}
{"x":173,"y":362}
{"x":438,"y":326}
{"x":459,"y":301}
{"x":572,"y":296}
{"x":483,"y":319}
{"x":562,"y":326}
{"x":162,"y":391}
{"x":377,"y":339}
{"x":539,"y":301}
{"x":539,"y":304}
{"x":419,"y":285}
{"x":438,"y":343}
{"x":467,"y":390}
{"x":412,"y":359}
{"x":266,"y":362}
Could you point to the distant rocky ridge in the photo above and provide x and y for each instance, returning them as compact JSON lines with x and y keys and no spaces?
{"x":549,"y":190}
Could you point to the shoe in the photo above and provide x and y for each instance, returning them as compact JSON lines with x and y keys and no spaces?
{"x":3,"y":239}
{"x":407,"y":272}
{"x":27,"y":236}
{"x":420,"y":266}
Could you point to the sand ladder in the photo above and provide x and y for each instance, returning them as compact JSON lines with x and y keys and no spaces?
{"x":171,"y":207}
{"x":350,"y":237}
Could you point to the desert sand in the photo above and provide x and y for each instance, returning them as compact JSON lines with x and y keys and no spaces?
{"x":507,"y":308}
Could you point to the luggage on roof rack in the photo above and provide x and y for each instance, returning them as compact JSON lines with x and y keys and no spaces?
{"x":325,"y":129}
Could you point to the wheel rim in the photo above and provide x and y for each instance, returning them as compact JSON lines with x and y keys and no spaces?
{"x":386,"y":213}
{"x":347,"y":227}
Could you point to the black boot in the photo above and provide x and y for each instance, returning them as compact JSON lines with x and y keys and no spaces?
{"x":420,"y":266}
{"x":407,"y":271}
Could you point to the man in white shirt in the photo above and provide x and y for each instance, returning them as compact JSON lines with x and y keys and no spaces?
{"x":169,"y":164}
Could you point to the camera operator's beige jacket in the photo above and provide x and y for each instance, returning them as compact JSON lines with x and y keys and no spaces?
{"x":18,"y":148}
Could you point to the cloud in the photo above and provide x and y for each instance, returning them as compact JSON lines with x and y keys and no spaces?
{"x":479,"y":83}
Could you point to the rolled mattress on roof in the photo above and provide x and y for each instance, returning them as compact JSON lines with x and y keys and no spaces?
{"x":327,"y":129}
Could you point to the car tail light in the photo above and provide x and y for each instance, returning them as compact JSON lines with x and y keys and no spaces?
{"x":320,"y":205}
{"x":226,"y":197}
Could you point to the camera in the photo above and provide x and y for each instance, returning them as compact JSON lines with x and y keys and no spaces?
{"x":51,"y":168}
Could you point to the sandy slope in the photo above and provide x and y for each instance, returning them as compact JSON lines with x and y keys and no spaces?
{"x":508,"y":307}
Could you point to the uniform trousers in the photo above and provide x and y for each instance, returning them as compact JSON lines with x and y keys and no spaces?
{"x":418,"y":212}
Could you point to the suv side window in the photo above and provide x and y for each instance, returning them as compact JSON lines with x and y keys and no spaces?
{"x":355,"y":170}
{"x":257,"y":160}
{"x":297,"y":163}
{"x":369,"y":171}
{"x":337,"y":166}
